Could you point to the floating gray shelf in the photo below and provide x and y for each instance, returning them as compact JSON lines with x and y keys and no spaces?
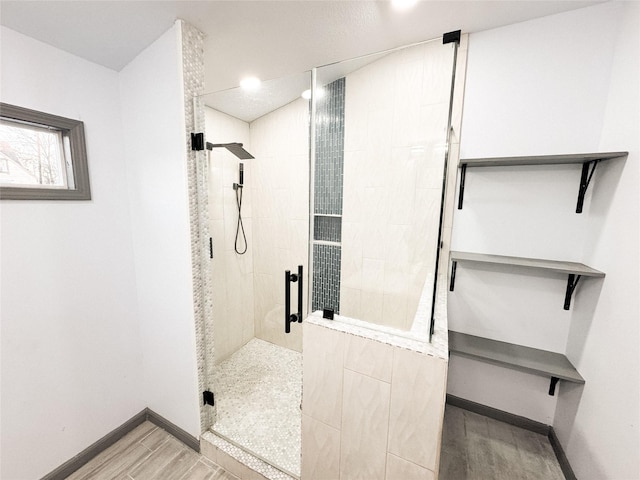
{"x":532,"y":360}
{"x":588,"y":161}
{"x":574,"y":270}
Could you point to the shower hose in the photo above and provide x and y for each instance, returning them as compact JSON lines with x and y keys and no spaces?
{"x":240,"y":225}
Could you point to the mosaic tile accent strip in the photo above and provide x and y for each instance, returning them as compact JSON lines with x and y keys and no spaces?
{"x":329,"y":169}
{"x":326,"y":277}
{"x":329,"y":162}
{"x":328,"y":229}
{"x":258,"y":395}
{"x":193,"y":79}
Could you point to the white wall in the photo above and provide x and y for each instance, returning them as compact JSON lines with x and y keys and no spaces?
{"x":562,"y":84}
{"x":280,"y":190}
{"x":155,"y":142}
{"x":600,"y":425}
{"x":232,"y":274}
{"x":71,"y":358}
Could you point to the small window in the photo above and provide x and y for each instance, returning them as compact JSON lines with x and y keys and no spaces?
{"x":42,"y":156}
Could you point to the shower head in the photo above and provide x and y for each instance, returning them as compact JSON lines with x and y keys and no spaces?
{"x":235,"y":148}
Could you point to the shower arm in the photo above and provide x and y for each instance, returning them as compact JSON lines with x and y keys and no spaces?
{"x":235,"y":147}
{"x":198,"y":143}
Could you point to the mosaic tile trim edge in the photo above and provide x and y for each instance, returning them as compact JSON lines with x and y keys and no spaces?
{"x":245,"y":458}
{"x":193,"y":85}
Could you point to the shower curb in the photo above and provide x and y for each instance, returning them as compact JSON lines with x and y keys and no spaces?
{"x":237,"y":461}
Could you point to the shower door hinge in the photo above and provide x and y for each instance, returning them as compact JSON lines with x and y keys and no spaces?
{"x":451,"y":37}
{"x":197,"y":141}
{"x":207,"y":398}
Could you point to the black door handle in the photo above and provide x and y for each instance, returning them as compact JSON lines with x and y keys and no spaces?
{"x":289,"y":317}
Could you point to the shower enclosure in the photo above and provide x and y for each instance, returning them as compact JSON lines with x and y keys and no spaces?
{"x":257,"y":373}
{"x":348,"y":187}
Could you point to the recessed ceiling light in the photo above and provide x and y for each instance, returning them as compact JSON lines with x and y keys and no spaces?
{"x":250,"y":83}
{"x":403,"y":4}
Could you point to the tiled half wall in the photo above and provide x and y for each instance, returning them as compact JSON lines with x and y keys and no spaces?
{"x":370,"y":410}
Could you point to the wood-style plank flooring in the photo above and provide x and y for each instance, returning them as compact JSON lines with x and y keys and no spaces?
{"x":475,"y":447}
{"x":150,"y":453}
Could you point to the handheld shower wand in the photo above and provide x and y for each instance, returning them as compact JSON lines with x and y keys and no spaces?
{"x":240,"y":183}
{"x":240,"y":227}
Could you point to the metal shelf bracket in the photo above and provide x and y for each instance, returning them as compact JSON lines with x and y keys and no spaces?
{"x":452,"y":282}
{"x":572,"y":283}
{"x":585,"y":180}
{"x":463,"y":174}
{"x":552,"y":385}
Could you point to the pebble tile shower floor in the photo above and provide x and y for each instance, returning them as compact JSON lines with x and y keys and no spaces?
{"x":258,"y":393}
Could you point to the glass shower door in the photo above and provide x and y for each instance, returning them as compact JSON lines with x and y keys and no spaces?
{"x":381,"y":147}
{"x":259,"y":221}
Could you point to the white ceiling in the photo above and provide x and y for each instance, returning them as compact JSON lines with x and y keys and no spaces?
{"x":269,"y":39}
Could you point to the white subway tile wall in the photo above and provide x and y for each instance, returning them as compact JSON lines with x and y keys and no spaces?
{"x":395,"y":122}
{"x":248,"y":291}
{"x":232,"y":274}
{"x":280,"y":189}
